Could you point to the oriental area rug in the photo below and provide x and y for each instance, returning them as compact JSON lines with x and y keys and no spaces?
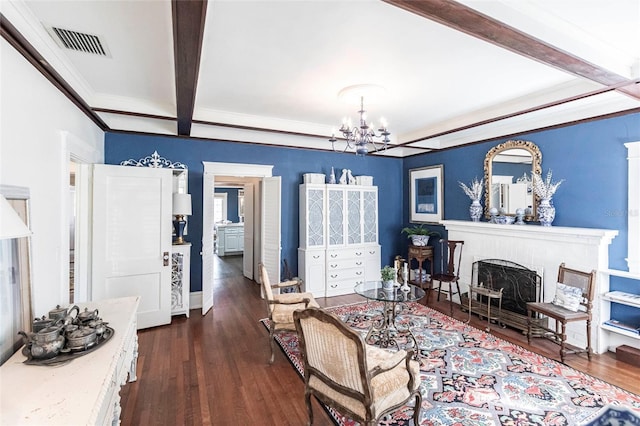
{"x":470,"y":377}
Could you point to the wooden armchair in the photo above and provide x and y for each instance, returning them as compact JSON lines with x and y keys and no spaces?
{"x":357,"y":379}
{"x":573,"y":302}
{"x":280,"y":307}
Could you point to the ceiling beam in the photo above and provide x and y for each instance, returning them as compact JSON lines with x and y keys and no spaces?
{"x":469,"y":21}
{"x":188,"y":32}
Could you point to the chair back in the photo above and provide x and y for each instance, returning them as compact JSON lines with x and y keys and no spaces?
{"x":452,"y":250}
{"x":332,"y":352}
{"x":585,"y":281}
{"x":265,"y":282}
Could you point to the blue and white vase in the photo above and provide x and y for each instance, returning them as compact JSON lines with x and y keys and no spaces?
{"x":475,"y":211}
{"x":546,"y":212}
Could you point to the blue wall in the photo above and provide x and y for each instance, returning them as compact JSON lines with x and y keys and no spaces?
{"x":232,"y":203}
{"x":288,"y":163}
{"x":591,"y":157}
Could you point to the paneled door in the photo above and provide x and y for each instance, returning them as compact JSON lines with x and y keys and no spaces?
{"x":132,"y":238}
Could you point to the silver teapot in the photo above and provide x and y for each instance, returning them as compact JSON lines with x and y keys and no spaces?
{"x":44,"y":344}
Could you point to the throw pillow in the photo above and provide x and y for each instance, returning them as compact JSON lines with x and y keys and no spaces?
{"x":568,"y":297}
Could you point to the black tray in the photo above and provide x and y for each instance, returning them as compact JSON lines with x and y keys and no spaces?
{"x":64,"y":357}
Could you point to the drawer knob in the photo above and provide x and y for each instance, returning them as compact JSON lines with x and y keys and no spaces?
{"x":359,"y":273}
{"x":333,"y":265}
{"x":358,"y":253}
{"x":334,"y":256}
{"x":334,"y":276}
{"x":317,"y":256}
{"x":358,"y":263}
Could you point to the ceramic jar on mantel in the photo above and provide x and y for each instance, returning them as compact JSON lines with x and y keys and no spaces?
{"x":546,"y":212}
{"x":475,"y":210}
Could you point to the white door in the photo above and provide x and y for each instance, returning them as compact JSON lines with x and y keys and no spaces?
{"x":271,"y":227}
{"x":208,"y":223}
{"x":247,"y":259}
{"x":132,"y":238}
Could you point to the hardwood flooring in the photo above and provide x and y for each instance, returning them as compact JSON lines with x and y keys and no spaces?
{"x":214,"y":370}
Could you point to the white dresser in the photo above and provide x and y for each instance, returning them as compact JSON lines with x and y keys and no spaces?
{"x":338,"y":237}
{"x":83,"y":392}
{"x":230,"y":238}
{"x":180,"y":278}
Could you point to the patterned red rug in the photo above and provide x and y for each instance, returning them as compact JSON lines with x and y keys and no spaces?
{"x":470,"y":377}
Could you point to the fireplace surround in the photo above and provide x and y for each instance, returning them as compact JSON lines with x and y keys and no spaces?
{"x":542,"y":249}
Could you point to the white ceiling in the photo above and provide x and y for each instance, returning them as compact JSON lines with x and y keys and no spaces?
{"x":270,"y":71}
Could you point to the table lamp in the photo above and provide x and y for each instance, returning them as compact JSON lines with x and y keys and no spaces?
{"x":181,"y":208}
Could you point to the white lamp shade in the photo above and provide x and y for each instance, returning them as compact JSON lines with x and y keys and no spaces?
{"x":182,"y":204}
{"x":11,"y":225}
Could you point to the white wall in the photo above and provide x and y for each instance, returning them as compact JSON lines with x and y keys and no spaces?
{"x":39,"y":130}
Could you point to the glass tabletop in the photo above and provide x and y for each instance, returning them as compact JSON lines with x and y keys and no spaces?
{"x":373,"y":290}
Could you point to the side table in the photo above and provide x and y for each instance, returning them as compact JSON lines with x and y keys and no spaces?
{"x":420,"y":254}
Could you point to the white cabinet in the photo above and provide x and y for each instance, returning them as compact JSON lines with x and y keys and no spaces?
{"x":84,"y":391}
{"x":338,"y":237}
{"x":230,"y":238}
{"x":180,"y":278}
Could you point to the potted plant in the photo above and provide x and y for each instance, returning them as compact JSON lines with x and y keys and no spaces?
{"x":419,"y":234}
{"x":388,"y":276}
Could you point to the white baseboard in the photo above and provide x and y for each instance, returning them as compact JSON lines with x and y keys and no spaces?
{"x":195,"y":300}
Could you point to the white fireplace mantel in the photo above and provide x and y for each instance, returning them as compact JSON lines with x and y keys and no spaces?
{"x":541,"y":248}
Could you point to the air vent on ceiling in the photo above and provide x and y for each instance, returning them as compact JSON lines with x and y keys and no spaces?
{"x":80,"y":42}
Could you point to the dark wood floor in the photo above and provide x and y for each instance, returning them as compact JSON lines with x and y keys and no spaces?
{"x":214,"y":370}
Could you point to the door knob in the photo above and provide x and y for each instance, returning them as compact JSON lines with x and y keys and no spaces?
{"x":165,"y":259}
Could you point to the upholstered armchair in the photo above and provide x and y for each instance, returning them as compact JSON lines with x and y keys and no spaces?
{"x":280,"y":307}
{"x":361,"y":381}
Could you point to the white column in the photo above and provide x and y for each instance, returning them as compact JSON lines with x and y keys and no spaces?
{"x":633,"y":259}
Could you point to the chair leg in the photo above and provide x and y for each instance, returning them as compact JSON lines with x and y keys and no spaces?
{"x":439,"y":288}
{"x":451,"y":299}
{"x":589,"y":339}
{"x":272,"y":342}
{"x":529,"y":326}
{"x":417,"y":408}
{"x":307,"y":401}
{"x":563,"y":340}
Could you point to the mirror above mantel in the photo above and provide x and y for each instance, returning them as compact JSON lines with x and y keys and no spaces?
{"x":508,"y":170}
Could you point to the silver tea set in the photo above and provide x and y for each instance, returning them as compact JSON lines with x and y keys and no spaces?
{"x":62,"y":332}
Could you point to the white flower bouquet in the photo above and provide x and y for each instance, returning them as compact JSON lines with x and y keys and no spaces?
{"x":474,"y":191}
{"x":545,"y":188}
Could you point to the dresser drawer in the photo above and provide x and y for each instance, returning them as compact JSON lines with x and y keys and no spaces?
{"x":337,"y":264}
{"x":336,"y":288}
{"x":346,"y":253}
{"x":346,"y":274}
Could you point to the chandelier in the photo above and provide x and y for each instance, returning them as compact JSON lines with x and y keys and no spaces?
{"x":360,"y":137}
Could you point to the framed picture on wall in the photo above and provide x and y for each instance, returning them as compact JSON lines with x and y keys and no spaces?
{"x":426,"y":194}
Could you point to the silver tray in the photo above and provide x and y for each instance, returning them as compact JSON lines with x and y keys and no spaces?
{"x":67,"y":355}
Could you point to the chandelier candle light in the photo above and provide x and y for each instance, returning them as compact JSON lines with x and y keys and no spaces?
{"x":475,"y":193}
{"x":360,"y":137}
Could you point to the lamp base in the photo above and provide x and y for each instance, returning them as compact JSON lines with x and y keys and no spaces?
{"x":178,"y":227}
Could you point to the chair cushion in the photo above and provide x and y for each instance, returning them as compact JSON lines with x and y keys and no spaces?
{"x":568,"y":297}
{"x":283,"y":314}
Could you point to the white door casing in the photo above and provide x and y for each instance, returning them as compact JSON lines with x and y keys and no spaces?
{"x":208,"y":224}
{"x":247,"y":259}
{"x":223,"y":169}
{"x":271,"y":226}
{"x":131,"y":253}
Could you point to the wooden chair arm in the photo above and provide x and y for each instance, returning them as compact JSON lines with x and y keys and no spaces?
{"x":305,"y":300}
{"x":392,"y":362}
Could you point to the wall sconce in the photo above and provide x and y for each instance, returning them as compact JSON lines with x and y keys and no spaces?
{"x":181,"y":208}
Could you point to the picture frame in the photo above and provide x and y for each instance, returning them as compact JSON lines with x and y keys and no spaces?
{"x":426,"y":194}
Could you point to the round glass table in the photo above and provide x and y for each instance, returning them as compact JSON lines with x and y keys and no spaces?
{"x":384,"y":331}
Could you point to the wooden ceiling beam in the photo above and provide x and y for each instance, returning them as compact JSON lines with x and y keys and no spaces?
{"x":469,"y":21}
{"x":188,"y":32}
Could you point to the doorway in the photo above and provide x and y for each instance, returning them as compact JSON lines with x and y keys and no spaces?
{"x":261,"y":242}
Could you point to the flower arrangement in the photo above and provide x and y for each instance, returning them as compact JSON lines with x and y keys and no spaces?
{"x":474,"y":191}
{"x":545,"y":188}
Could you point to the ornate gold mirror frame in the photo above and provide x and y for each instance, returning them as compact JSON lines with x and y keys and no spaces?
{"x":512,"y":152}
